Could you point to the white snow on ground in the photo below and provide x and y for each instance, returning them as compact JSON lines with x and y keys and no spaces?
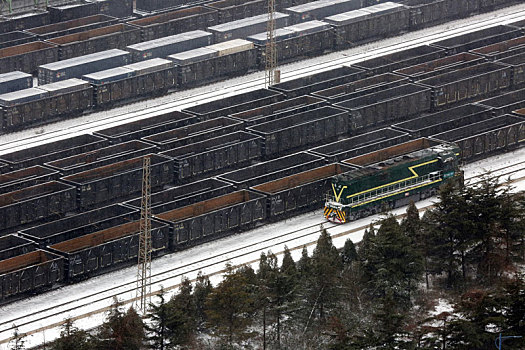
{"x":210,"y":258}
{"x":443,"y":305}
{"x":183,"y":99}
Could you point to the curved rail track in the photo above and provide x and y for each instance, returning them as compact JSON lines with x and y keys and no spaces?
{"x":507,"y":15}
{"x":53,"y":316}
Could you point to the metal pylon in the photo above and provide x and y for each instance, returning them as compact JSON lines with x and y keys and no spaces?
{"x":271,"y":50}
{"x":144,"y":259}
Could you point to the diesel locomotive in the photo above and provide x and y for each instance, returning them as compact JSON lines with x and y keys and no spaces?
{"x":391,"y":183}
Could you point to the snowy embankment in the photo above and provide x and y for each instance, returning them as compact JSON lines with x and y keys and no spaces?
{"x":210,"y":258}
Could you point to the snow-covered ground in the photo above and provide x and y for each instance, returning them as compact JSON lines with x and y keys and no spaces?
{"x":243,"y":248}
{"x":187,"y":98}
{"x":210,"y":258}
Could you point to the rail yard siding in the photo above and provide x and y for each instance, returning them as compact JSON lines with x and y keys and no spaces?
{"x":118,"y":247}
{"x":84,"y":36}
{"x":190,"y":193}
{"x":272,"y":150}
{"x":299,"y":192}
{"x":488,"y":136}
{"x":213,"y":218}
{"x":74,"y":26}
{"x":445,"y":120}
{"x":505,"y":103}
{"x":54,"y":150}
{"x":110,"y":182}
{"x":273,"y":169}
{"x":29,"y":272}
{"x":201,"y":158}
{"x":36,"y":203}
{"x":26,"y":177}
{"x":12,"y":245}
{"x":80,"y":224}
{"x":364,"y":143}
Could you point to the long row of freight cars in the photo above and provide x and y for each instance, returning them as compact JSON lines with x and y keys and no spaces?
{"x":193,"y":60}
{"x":70,"y":209}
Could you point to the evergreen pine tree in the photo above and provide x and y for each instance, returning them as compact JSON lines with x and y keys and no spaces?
{"x":288,"y":266}
{"x":451,"y":232}
{"x":159,"y":317}
{"x":230,"y":305}
{"x":365,"y":244}
{"x":200,"y":294}
{"x":303,"y":265}
{"x":181,"y":322}
{"x":479,"y":313}
{"x":121,"y":330}
{"x":393,"y":264}
{"x":71,"y":338}
{"x":267,"y":293}
{"x":18,"y":340}
{"x":513,"y":224}
{"x":391,"y":272}
{"x":427,"y":248}
{"x":494,"y":214}
{"x":323,"y":286}
{"x":349,"y":253}
{"x":390,"y":319}
{"x":286,"y":285}
{"x":411,"y":224}
{"x":133,"y":332}
{"x":513,"y":295}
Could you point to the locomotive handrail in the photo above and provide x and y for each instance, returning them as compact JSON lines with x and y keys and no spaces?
{"x":386,"y":190}
{"x":397,"y":187}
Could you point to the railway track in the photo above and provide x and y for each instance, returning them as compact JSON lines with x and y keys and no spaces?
{"x":15,"y":142}
{"x":98,"y":302}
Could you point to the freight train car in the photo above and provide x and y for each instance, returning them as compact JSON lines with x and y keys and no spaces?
{"x":391,"y":177}
{"x":200,"y":65}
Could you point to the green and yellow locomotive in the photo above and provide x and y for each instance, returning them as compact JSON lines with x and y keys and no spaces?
{"x":391,"y":178}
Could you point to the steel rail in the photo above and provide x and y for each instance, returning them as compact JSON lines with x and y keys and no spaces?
{"x":306,"y":69}
{"x":210,"y":261}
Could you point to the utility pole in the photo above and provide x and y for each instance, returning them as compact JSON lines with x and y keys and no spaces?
{"x":144,"y":256}
{"x":271,"y":50}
